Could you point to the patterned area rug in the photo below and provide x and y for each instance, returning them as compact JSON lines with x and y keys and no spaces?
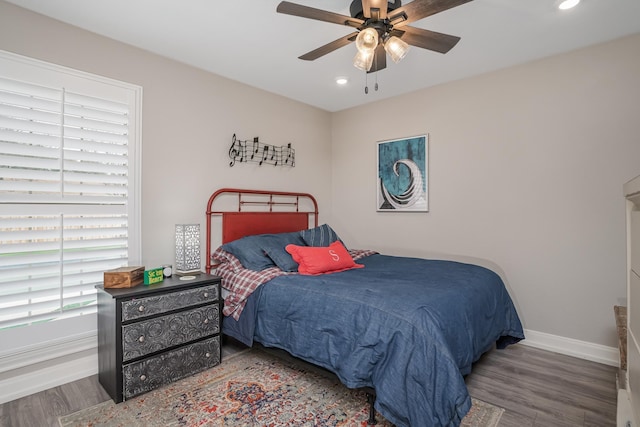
{"x":252,"y":388}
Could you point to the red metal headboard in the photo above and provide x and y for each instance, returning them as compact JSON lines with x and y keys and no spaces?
{"x":264,"y":212}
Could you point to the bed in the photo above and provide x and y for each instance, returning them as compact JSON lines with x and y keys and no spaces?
{"x":408,"y":329}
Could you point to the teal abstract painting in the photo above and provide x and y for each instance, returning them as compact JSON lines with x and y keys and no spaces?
{"x":403,"y":174}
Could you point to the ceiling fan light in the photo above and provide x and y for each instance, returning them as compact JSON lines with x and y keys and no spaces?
{"x":367,"y":40}
{"x":363,"y":60}
{"x":396,"y":48}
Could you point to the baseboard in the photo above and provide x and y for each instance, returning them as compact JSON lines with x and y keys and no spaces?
{"x":32,"y":382}
{"x":36,"y":368}
{"x":572,"y":347}
{"x":47,"y":350}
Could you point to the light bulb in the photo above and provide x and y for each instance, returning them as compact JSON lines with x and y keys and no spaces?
{"x":367,"y":40}
{"x":568,"y":4}
{"x":396,"y":48}
{"x":363,"y":60}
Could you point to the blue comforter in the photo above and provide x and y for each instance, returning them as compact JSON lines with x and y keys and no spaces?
{"x":410,"y":328}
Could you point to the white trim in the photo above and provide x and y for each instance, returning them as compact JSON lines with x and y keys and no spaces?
{"x":46,"y":351}
{"x":31,"y":381}
{"x":36,"y":381}
{"x":135,"y":210}
{"x":31,"y":63}
{"x":572,"y":347}
{"x":624,"y":415}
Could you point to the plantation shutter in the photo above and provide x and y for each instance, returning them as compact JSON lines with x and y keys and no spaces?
{"x":65,"y":195}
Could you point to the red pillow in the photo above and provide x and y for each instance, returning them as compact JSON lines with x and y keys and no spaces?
{"x":313,"y":260}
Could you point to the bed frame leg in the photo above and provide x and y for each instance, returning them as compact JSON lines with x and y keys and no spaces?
{"x":371,"y":398}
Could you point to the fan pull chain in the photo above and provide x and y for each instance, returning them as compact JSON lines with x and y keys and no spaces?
{"x":366,"y":83}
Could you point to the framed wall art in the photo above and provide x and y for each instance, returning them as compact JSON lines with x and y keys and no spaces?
{"x":403,"y":175}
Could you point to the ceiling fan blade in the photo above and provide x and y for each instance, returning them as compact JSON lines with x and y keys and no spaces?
{"x":329,"y":47}
{"x":372,"y":7}
{"x":289,"y":8}
{"x":419,"y":9}
{"x":379,"y":60}
{"x":426,"y":39}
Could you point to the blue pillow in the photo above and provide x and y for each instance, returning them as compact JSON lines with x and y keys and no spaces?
{"x":249,"y":252}
{"x":274,"y":244}
{"x":262,"y":251}
{"x":322,"y":235}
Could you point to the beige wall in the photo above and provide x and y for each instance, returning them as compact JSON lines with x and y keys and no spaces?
{"x":526,"y":170}
{"x":189,"y":117}
{"x":526,"y":164}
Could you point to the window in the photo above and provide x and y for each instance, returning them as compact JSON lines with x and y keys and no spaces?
{"x":69,"y":210}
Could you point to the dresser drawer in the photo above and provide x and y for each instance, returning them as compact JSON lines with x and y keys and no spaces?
{"x":148,"y":336}
{"x":148,"y":306}
{"x":156,"y":371}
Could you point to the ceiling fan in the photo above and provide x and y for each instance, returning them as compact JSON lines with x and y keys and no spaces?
{"x":380,"y":26}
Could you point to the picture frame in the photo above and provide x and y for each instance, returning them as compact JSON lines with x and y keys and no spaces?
{"x":403,"y":171}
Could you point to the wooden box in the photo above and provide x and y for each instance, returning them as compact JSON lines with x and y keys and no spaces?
{"x":124,"y":277}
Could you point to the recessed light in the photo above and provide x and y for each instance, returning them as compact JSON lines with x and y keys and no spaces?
{"x":342,"y":81}
{"x":568,"y":4}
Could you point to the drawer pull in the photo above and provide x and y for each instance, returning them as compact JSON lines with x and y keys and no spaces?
{"x":141,"y":339}
{"x":206,"y":294}
{"x":143,"y":377}
{"x":206,"y":321}
{"x":141,"y":308}
{"x":207,"y":354}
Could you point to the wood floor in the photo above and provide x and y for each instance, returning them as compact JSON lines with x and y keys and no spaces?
{"x":540,"y":388}
{"x":536,"y":387}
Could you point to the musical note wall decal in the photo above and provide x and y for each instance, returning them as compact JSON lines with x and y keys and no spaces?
{"x":258,"y":152}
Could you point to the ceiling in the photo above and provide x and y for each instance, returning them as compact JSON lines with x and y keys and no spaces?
{"x":247,"y":41}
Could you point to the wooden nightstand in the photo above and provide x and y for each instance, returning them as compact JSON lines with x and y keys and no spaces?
{"x":149,"y":336}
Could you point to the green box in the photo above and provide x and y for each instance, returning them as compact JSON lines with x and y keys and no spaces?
{"x":153,"y":276}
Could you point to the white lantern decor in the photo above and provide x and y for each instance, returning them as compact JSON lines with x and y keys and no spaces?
{"x":187,"y":249}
